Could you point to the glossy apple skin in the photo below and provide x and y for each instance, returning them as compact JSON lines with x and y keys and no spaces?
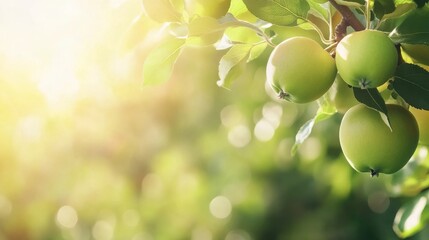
{"x":300,"y":70}
{"x":422,"y":117}
{"x":208,"y":8}
{"x":370,"y":146}
{"x":366,"y":59}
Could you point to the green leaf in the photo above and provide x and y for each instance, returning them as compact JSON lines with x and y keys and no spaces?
{"x":159,"y":64}
{"x":256,"y":51}
{"x":373,"y":99}
{"x":319,"y":11}
{"x":232,"y":64}
{"x":414,"y":29}
{"x":325,"y":111}
{"x":394,"y":19}
{"x":382,"y":7}
{"x":161,"y":11}
{"x":230,"y":21}
{"x":399,"y":2}
{"x":278,"y":11}
{"x":412,"y":216}
{"x":411,"y":82}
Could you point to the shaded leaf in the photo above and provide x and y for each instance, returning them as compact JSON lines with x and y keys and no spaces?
{"x":256,"y":51}
{"x":278,"y":11}
{"x":232,"y":64}
{"x":382,"y":7}
{"x":411,"y":82}
{"x":394,"y":19}
{"x":159,"y":63}
{"x":414,"y":29}
{"x":373,"y":99}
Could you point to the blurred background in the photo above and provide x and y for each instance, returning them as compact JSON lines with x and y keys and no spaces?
{"x":88,"y":152}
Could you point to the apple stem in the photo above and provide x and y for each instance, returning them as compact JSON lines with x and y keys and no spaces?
{"x":348,"y":16}
{"x":368,"y":13}
{"x":374,"y":173}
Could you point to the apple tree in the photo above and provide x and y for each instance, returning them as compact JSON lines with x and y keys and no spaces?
{"x":366,"y":61}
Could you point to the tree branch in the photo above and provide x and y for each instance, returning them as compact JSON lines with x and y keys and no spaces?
{"x":348,"y":16}
{"x":341,"y":30}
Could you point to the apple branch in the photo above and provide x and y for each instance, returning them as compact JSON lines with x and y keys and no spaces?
{"x":348,"y":16}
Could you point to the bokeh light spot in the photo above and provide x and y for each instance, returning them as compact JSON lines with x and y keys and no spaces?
{"x":272,"y":112}
{"x":264,"y":131}
{"x":102,"y":230}
{"x":231,"y":116}
{"x":378,"y":202}
{"x":67,"y":217}
{"x":220,"y":207}
{"x":310,"y":149}
{"x":201,"y":233}
{"x":239,"y":136}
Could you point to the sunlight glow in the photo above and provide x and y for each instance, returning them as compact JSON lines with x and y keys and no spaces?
{"x":59,"y":87}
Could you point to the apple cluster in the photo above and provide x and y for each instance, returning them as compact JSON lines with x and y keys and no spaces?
{"x":299,"y":70}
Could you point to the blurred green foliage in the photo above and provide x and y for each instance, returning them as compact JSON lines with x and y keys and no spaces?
{"x":181,"y":160}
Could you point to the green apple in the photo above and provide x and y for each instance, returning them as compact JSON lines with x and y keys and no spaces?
{"x":208,"y":8}
{"x":300,"y":70}
{"x":369,"y":145}
{"x":366,"y":59}
{"x":343,"y":95}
